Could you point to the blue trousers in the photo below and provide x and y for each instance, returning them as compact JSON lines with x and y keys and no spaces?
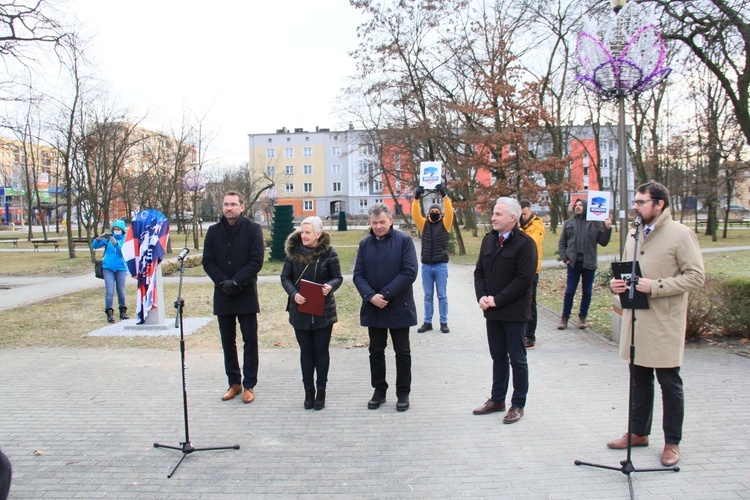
{"x":507,"y":348}
{"x":112,"y":278}
{"x":575,"y":273}
{"x":435,"y":278}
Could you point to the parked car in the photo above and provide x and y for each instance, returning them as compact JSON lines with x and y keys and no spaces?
{"x":335,"y":216}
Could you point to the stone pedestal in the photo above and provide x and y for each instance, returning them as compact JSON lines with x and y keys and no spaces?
{"x":156,"y":319}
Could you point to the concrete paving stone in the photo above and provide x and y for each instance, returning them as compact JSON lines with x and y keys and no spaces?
{"x":109,"y":406}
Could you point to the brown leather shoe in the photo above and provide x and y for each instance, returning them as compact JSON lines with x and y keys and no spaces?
{"x":232,"y":392}
{"x":622,"y":443}
{"x":248,"y":396}
{"x":563,"y":324}
{"x":514,"y":415}
{"x":671,"y":455}
{"x":489,"y":407}
{"x":582,"y":322}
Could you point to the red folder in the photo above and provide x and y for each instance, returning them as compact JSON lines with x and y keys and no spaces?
{"x":315,"y":300}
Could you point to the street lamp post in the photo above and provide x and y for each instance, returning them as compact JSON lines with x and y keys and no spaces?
{"x":620,"y":59}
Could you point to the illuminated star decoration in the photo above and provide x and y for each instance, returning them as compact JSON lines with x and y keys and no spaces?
{"x":627,"y":57}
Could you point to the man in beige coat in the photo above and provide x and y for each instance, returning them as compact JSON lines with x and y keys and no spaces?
{"x":672,"y":265}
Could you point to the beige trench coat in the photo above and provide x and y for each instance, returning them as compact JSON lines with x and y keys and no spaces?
{"x":672,"y":257}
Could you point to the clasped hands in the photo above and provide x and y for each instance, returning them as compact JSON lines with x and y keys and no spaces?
{"x":486,"y":302}
{"x":299,"y":299}
{"x":230,"y":287}
{"x":378,"y":301}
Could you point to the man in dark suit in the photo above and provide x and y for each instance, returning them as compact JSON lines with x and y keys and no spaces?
{"x":503,"y":279}
{"x":232,"y":257}
{"x":384,"y":271}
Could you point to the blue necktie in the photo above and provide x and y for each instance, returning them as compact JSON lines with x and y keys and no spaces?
{"x":645,"y":233}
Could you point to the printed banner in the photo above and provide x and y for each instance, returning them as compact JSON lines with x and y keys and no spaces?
{"x":430,"y":174}
{"x":599,"y":205}
{"x":145,"y":245}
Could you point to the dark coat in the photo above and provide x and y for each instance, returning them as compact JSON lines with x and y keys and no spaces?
{"x":578,"y":233}
{"x":320,"y":265}
{"x":507,"y":274}
{"x":388,"y":267}
{"x":234,"y":253}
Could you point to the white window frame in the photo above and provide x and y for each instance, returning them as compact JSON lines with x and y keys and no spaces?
{"x":308,"y":206}
{"x":336,"y":168}
{"x":288,"y":152}
{"x":307,"y":152}
{"x":270,"y":170}
{"x":307,"y":187}
{"x":289,"y":187}
{"x":307,"y":169}
{"x":289,"y":169}
{"x":336,"y":151}
{"x":336,"y":187}
{"x":270,"y":152}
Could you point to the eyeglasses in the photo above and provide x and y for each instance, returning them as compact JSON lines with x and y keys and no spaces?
{"x":640,"y":203}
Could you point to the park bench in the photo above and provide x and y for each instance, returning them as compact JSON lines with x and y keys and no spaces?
{"x":80,"y":239}
{"x":740,"y":222}
{"x":10,"y":240}
{"x":41,"y":241}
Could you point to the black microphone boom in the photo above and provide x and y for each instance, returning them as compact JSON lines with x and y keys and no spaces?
{"x":183,"y":254}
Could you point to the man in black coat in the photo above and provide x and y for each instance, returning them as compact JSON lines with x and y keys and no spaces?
{"x":384,"y":271}
{"x":503,"y":278}
{"x":232,"y":257}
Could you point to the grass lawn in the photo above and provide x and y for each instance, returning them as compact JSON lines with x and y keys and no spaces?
{"x":66,"y":320}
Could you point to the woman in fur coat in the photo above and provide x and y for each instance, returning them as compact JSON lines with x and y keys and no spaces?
{"x":310,"y":256}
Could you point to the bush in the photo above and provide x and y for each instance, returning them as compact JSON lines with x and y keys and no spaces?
{"x":168,"y":268}
{"x":734,"y":307}
{"x":702,"y":312}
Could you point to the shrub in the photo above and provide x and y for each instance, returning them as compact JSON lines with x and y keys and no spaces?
{"x":168,"y":268}
{"x":734,"y":307}
{"x":702,"y":312}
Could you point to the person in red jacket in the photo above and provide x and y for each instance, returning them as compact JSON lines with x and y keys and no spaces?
{"x":503,"y":278}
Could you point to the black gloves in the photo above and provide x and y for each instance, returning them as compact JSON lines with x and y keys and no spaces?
{"x":440,"y":189}
{"x":419,"y":192}
{"x":230,"y":287}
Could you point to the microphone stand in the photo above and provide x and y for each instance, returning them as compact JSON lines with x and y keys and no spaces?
{"x":185,"y":447}
{"x":626,"y":466}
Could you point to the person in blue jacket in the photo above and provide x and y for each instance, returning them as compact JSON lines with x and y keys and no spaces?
{"x":114,"y":268}
{"x":384,"y":271}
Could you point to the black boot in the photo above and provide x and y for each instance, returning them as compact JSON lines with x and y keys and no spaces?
{"x":124,"y":313}
{"x":309,"y":398}
{"x":110,"y":315}
{"x":320,"y":399}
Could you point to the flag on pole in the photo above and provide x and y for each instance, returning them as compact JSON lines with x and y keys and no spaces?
{"x":145,"y":245}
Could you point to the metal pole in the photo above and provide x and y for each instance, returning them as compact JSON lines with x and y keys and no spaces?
{"x":622,"y":150}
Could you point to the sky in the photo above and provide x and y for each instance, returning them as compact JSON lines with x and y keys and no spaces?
{"x":247,"y":66}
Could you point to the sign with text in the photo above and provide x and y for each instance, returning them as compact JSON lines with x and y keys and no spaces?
{"x":599,"y":205}
{"x":430,"y":174}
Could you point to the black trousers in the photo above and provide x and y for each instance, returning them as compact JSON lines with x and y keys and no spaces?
{"x":228,"y":330}
{"x":673,"y":401}
{"x":314,"y":355}
{"x":531,"y":325}
{"x":378,"y":342}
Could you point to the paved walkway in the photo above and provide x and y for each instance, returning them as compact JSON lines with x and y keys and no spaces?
{"x":82,"y":422}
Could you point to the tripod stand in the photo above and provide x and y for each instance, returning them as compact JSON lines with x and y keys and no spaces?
{"x":185,"y":447}
{"x":633,"y":303}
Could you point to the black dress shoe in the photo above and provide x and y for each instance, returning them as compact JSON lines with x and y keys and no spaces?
{"x":424,"y":328}
{"x":403,"y":403}
{"x":444,"y":328}
{"x":376,"y":401}
{"x":489,"y":407}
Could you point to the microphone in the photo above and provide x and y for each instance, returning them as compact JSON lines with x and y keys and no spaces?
{"x":183,"y":254}
{"x":636,"y":222}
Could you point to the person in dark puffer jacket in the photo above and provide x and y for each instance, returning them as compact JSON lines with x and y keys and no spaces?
{"x":310,"y":256}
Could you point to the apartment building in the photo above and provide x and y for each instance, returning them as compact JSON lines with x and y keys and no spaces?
{"x":322,"y":172}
